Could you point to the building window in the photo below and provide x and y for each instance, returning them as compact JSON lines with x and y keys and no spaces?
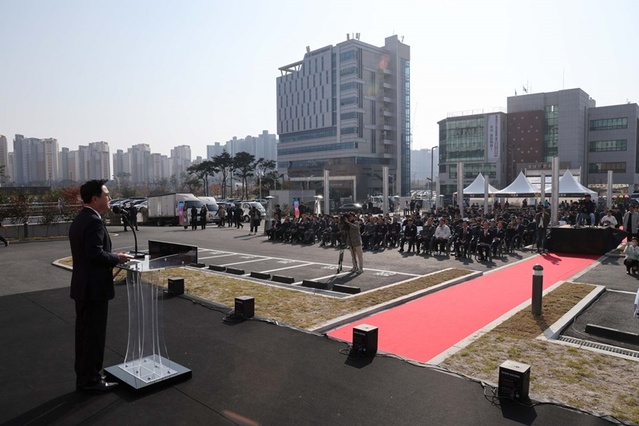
{"x":472,"y":170}
{"x":349,"y":130}
{"x":348,"y":71}
{"x":316,"y":148}
{"x":350,"y":115}
{"x":608,"y":146}
{"x":311,"y":134}
{"x":349,"y":101}
{"x":373,"y":142}
{"x":465,"y":139}
{"x":609,"y":124}
{"x":617,"y":167}
{"x":347,"y":56}
{"x":349,"y":86}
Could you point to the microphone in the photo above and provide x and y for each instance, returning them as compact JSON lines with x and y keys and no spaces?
{"x":125,"y":218}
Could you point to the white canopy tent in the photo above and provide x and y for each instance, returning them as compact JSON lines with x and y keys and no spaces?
{"x":478,"y":186}
{"x":569,"y":187}
{"x":520,"y":188}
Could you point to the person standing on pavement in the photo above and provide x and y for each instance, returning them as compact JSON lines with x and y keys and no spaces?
{"x":631,"y":222}
{"x":221,"y":214}
{"x":3,"y":239}
{"x":204,"y":215}
{"x":92,"y":285}
{"x":237,"y":216}
{"x":193,"y":218}
{"x":541,"y":220}
{"x":125,"y":216}
{"x":133,"y":217}
{"x":255,"y":218}
{"x":354,"y":241}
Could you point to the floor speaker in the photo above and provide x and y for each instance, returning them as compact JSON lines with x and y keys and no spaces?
{"x":245,"y":307}
{"x":176,"y":286}
{"x":514,"y":380}
{"x":364,"y":340}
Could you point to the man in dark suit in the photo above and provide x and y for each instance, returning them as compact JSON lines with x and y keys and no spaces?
{"x":92,"y":285}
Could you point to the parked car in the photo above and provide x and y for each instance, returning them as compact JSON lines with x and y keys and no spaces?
{"x":350,"y":207}
{"x":141,"y":205}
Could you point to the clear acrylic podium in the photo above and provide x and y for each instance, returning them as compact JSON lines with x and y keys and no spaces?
{"x":146,"y":362}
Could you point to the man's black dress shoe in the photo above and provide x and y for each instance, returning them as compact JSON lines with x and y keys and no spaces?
{"x":100,"y":386}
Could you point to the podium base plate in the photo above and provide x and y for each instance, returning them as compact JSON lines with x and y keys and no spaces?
{"x":148,"y":372}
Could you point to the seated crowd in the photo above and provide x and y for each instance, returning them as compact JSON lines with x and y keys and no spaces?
{"x":445,"y":231}
{"x":442,"y":231}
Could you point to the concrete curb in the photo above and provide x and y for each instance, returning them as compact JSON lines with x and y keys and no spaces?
{"x":553,"y":332}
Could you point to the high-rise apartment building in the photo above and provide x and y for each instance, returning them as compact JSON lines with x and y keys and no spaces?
{"x":160,"y":167}
{"x":4,"y":159}
{"x":36,"y":160}
{"x":64,"y":162}
{"x":214,"y":150}
{"x":121,"y":163}
{"x":99,"y":164}
{"x":139,"y":166}
{"x":262,"y":146}
{"x":346,"y":108}
{"x":139,"y":158}
{"x":181,"y":160}
{"x":85,"y":163}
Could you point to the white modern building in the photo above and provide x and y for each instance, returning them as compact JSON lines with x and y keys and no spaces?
{"x":346,"y":109}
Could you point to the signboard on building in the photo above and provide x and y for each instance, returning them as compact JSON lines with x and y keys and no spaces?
{"x":493,"y":137}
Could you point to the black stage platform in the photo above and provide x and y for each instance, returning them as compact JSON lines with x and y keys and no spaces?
{"x":244,"y":373}
{"x":586,"y":240}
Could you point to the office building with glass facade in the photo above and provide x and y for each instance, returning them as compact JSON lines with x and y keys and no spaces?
{"x":346,"y":109}
{"x":477,"y":141}
{"x":538,"y":127}
{"x":613,"y":141}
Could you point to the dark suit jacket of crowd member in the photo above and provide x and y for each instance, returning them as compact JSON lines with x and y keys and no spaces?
{"x":93,"y":262}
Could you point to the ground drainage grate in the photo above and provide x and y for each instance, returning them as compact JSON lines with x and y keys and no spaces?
{"x":600,"y":346}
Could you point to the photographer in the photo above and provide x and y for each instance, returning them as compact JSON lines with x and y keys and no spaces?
{"x":586,"y":211}
{"x":632,"y":257}
{"x":354,"y":242}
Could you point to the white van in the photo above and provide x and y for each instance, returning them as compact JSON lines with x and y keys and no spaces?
{"x":212,"y":207}
{"x":246,"y":209}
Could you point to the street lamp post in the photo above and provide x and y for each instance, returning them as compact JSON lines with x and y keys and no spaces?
{"x":432,"y":166}
{"x":260,"y":172}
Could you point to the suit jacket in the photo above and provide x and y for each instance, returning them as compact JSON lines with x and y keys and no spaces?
{"x":544,"y":217}
{"x":464,"y":234}
{"x":486,"y":237}
{"x":627,"y":222}
{"x":93,"y":262}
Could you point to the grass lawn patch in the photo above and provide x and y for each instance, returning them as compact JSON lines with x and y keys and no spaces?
{"x":591,"y":381}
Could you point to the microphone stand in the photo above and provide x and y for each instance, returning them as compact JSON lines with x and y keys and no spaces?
{"x":123,"y":214}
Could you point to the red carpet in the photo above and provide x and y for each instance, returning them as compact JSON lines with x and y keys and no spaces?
{"x":426,"y":327}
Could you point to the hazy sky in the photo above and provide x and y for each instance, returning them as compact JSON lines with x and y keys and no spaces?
{"x":194,"y":72}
